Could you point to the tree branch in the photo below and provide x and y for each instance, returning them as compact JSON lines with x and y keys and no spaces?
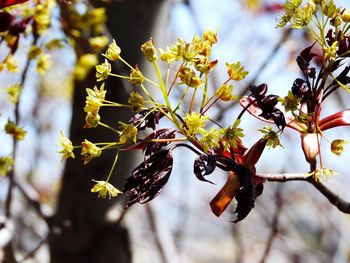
{"x":332,"y":197}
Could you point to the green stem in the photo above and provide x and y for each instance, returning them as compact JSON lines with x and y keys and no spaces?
{"x":108,"y":127}
{"x":181,"y":99}
{"x":192,"y":100}
{"x":165,"y":95}
{"x":114,"y":163}
{"x":205,"y":97}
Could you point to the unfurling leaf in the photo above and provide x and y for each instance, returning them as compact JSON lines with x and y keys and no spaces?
{"x":204,"y":165}
{"x":149,"y":178}
{"x":148,"y":118}
{"x":245,"y":195}
{"x":154,"y":147}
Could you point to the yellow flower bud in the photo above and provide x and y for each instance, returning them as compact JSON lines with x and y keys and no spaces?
{"x":136,"y":100}
{"x":136,"y":76}
{"x":98,"y":43}
{"x":6,"y":164}
{"x":103,"y":70}
{"x":149,"y":51}
{"x":89,"y":151}
{"x":113,"y":51}
{"x":189,"y":77}
{"x":224,"y":93}
{"x":337,"y":146}
{"x":128,"y":134}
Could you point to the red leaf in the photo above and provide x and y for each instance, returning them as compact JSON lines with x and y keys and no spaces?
{"x":225,"y":195}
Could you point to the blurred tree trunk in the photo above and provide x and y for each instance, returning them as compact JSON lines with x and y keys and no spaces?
{"x":80,"y":230}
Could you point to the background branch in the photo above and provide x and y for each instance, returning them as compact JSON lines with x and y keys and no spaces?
{"x":332,"y":197}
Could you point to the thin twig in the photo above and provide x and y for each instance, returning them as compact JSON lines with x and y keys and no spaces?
{"x":332,"y":197}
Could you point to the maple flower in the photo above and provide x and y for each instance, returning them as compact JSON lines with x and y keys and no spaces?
{"x":136,"y":76}
{"x":103,"y":70}
{"x":149,"y":50}
{"x":210,"y":139}
{"x":6,"y":164}
{"x":195,"y":123}
{"x":105,"y":189}
{"x":44,"y":63}
{"x":67,"y":147}
{"x":128,"y":134}
{"x":14,"y":92}
{"x":18,"y":133}
{"x":225,"y":93}
{"x":89,"y":151}
{"x":337,"y":146}
{"x":136,"y":100}
{"x":236,"y":71}
{"x":94,"y":99}
{"x":98,"y":43}
{"x":113,"y":51}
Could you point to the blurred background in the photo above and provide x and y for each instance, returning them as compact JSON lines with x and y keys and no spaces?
{"x":55,"y":217}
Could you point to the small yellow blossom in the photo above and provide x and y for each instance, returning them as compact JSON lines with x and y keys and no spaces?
{"x":103,"y":70}
{"x":98,"y":43}
{"x":323,"y":174}
{"x":211,"y":36}
{"x":17,"y":132}
{"x":338,"y":146}
{"x":128,"y":134}
{"x":84,"y":64}
{"x":11,"y":64}
{"x":105,"y":189}
{"x":55,"y":43}
{"x":14,"y":92}
{"x":44,"y":63}
{"x":94,"y":99}
{"x":113,"y":51}
{"x":6,"y":164}
{"x":136,"y":100}
{"x":210,"y":139}
{"x":331,"y":52}
{"x":203,"y":64}
{"x":136,"y":76}
{"x":169,"y":55}
{"x":195,"y":123}
{"x":233,"y":134}
{"x":67,"y":147}
{"x":189,"y":77}
{"x":89,"y":151}
{"x":34,"y":52}
{"x":236,"y":71}
{"x":92,"y":120}
{"x":224,"y":93}
{"x":149,"y":50}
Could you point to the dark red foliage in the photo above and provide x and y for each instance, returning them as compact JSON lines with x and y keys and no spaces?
{"x":148,"y":118}
{"x":149,"y":178}
{"x":204,"y":165}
